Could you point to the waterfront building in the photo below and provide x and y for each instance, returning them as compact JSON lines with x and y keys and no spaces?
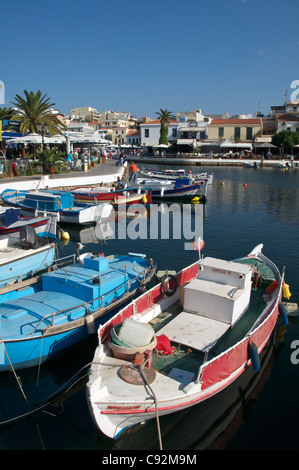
{"x":133,"y":137}
{"x":150,"y":132}
{"x":238,"y":130}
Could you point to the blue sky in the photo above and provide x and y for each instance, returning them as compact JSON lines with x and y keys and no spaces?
{"x":142,"y":55}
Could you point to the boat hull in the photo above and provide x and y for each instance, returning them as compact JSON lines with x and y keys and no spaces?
{"x":112,"y":414}
{"x":66,"y":307}
{"x":27,"y":264}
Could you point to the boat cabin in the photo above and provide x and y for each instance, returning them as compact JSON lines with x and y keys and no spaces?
{"x":212,"y":303}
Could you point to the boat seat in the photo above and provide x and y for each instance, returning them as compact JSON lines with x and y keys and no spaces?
{"x":194,"y":331}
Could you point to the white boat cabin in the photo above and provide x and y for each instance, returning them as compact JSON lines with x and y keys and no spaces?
{"x":212,"y":303}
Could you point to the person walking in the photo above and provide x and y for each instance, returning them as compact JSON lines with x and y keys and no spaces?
{"x":69,"y":160}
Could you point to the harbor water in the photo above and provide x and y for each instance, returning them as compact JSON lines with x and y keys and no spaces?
{"x":47,"y":407}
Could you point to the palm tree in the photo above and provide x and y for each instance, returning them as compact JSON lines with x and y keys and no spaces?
{"x":164,"y":116}
{"x":34,"y":110}
{"x":6,"y":113}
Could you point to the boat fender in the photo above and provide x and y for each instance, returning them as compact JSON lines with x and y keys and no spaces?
{"x":254,"y":356}
{"x":89,"y":321}
{"x":144,"y":199}
{"x":142,"y":289}
{"x":283,"y":314}
{"x":169,"y":292}
{"x":286,"y":291}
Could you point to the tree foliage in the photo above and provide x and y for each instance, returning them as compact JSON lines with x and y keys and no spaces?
{"x":6,"y":113}
{"x":34,"y":109}
{"x":286,"y":139}
{"x":164,"y":117}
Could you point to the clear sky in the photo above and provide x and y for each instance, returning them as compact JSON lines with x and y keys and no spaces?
{"x":139,"y":56}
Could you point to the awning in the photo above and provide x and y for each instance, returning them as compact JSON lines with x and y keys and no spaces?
{"x":239,"y":145}
{"x":191,"y":142}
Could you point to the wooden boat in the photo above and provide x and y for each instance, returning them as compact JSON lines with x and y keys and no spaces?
{"x":169,"y":174}
{"x":45,"y":317}
{"x":173,"y":348}
{"x":11,"y":221}
{"x":58,"y":203}
{"x":166,"y":189}
{"x":109,"y":195}
{"x":24,"y":256}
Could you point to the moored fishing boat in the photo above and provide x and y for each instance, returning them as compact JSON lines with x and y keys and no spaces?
{"x":58,"y":203}
{"x":44,"y":318}
{"x":170,"y":174}
{"x":24,"y":256}
{"x":166,"y":189}
{"x":11,"y":221}
{"x":109,"y":195}
{"x":171,"y":349}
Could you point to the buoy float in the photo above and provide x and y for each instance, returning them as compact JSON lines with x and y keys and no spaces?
{"x":222,"y":183}
{"x":254,"y":356}
{"x":65,"y":235}
{"x":286,"y":291}
{"x":245,"y":185}
{"x":195,"y":200}
{"x":283,"y":314}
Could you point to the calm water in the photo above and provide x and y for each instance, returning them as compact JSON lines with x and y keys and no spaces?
{"x":258,"y":412}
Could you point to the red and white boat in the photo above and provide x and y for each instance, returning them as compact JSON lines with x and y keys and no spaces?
{"x":185,"y":340}
{"x":109,"y":195}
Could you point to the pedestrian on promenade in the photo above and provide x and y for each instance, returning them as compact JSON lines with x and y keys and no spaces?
{"x":69,"y":160}
{"x":133,"y":172}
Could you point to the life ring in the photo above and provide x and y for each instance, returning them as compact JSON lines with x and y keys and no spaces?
{"x":169,"y":292}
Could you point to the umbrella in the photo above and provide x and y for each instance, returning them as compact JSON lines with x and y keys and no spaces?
{"x":30,"y":139}
{"x":265,"y":145}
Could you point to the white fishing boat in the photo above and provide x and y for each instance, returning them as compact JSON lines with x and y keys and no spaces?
{"x":169,"y":174}
{"x":184,"y":340}
{"x":181,"y":188}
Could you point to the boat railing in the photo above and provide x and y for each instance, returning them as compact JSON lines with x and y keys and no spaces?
{"x":149,"y":270}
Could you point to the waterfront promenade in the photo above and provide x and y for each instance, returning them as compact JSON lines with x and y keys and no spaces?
{"x":102,"y":173}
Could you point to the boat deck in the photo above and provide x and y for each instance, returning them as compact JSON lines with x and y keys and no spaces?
{"x":182,"y":329}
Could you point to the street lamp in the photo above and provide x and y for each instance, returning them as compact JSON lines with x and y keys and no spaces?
{"x":43,"y":128}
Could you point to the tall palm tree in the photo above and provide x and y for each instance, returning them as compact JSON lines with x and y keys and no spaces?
{"x":33,"y":110}
{"x":164,"y":116}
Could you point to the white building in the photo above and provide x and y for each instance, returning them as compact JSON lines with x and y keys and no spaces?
{"x":150,"y":132}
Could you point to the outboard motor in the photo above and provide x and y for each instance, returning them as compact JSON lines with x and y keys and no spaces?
{"x":28,"y":237}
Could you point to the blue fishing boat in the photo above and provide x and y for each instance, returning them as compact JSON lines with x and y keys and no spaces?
{"x":67,"y":305}
{"x":24,"y":256}
{"x":55,"y":202}
{"x":11,"y":221}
